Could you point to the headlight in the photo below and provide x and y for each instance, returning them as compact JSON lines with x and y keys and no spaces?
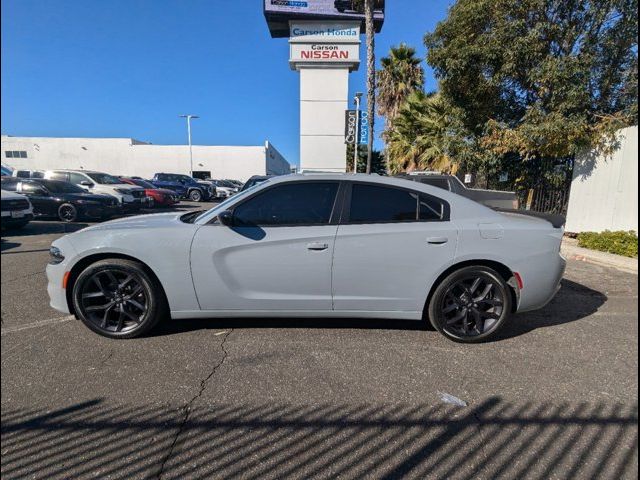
{"x":55,"y":255}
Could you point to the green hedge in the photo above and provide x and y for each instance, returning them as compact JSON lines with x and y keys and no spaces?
{"x":620,"y":243}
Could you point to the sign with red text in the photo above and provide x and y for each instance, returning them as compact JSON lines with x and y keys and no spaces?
{"x":324,"y":52}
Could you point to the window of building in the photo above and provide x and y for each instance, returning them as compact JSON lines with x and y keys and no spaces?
{"x":15,"y":154}
{"x":304,"y":203}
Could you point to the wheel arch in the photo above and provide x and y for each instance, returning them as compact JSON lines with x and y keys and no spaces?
{"x":84,"y":262}
{"x":505,"y":272}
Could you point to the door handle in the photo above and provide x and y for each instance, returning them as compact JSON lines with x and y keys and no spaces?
{"x":437,"y":240}
{"x":317,"y":246}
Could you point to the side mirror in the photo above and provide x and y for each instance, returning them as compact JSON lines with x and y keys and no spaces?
{"x":226,"y":218}
{"x":86,"y":183}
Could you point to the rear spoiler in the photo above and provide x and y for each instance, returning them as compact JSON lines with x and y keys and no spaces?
{"x":554,"y":219}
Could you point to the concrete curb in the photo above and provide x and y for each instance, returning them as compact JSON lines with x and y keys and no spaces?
{"x":572,"y":251}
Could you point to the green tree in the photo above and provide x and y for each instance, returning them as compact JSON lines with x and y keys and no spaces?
{"x":378,"y":162}
{"x":400,"y":75}
{"x":539,"y":77}
{"x":426,"y":135}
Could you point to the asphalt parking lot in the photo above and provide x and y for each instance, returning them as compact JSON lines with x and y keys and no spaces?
{"x":555,"y":397}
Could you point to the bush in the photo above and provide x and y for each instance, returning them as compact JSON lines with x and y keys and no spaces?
{"x":620,"y":243}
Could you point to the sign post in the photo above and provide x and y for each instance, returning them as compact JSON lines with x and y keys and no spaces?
{"x":324,"y":47}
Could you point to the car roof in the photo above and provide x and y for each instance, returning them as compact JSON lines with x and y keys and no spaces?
{"x":76,"y":170}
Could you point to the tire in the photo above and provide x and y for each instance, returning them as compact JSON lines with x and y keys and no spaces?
{"x":67,"y":212}
{"x":195,"y":195}
{"x":125,"y":302}
{"x":470,"y":305}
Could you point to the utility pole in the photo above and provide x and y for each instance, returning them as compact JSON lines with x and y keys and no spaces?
{"x":189,"y":117}
{"x":357,"y":142}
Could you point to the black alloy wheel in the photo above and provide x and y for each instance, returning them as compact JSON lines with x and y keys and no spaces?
{"x":118,"y":298}
{"x":67,"y":212}
{"x":195,"y":195}
{"x":471,"y":304}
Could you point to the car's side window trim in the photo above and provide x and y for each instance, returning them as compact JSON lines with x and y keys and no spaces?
{"x":345,"y":218}
{"x":334,"y":218}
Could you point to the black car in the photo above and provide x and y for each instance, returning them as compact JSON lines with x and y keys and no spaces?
{"x":63,"y":200}
{"x":256,"y":179}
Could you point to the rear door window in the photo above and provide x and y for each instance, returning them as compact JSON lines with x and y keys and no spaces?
{"x":381,"y":204}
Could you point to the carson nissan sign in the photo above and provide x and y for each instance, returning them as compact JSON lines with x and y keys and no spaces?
{"x":324,"y":52}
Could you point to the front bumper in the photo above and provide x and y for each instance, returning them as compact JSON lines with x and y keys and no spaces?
{"x":9,"y":221}
{"x":55,"y":276}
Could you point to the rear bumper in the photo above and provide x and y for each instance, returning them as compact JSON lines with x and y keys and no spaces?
{"x":540,"y":289}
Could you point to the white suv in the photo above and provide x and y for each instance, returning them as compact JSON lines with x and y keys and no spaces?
{"x":130,"y":197}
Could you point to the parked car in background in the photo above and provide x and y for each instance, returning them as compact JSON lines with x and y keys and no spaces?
{"x":62,"y":200}
{"x":28,"y":173}
{"x":490,"y":198}
{"x":6,"y":171}
{"x":17,"y":211}
{"x":330,"y":245}
{"x":185,"y":186}
{"x":130,"y":198}
{"x":162,"y":197}
{"x":224,"y":189}
{"x":236,"y":183}
{"x":256,"y":179}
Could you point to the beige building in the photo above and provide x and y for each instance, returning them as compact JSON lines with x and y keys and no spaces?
{"x":127,"y":156}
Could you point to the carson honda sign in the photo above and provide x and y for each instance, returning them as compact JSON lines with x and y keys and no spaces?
{"x":313,"y":31}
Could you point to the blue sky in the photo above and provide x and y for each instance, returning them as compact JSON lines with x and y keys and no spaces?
{"x":128,"y":68}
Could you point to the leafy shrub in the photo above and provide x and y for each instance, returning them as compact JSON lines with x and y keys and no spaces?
{"x":620,"y":243}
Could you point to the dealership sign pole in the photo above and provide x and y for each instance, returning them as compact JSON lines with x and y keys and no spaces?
{"x":324,"y":47}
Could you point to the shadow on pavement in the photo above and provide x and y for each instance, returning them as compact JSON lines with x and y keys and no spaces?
{"x":492,"y":439}
{"x":6,"y":245}
{"x":573,"y":302}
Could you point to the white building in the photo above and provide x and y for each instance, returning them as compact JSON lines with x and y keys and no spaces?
{"x":604,"y":190}
{"x":127,"y":156}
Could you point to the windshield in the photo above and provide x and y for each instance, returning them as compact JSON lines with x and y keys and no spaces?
{"x":221,"y":207}
{"x":62,"y":187}
{"x":142,"y":183}
{"x":104,"y":178}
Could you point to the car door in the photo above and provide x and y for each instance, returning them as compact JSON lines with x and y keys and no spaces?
{"x":274,"y":256}
{"x":390,"y":246}
{"x":40,"y":199}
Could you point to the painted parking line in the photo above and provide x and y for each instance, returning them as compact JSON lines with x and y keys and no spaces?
{"x":41,"y":323}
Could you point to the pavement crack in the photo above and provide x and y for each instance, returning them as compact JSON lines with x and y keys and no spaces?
{"x":187,"y":407}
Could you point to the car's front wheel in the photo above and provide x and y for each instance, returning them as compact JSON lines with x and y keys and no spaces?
{"x":118,"y":298}
{"x":195,"y":195}
{"x":67,"y":212}
{"x":470,"y":305}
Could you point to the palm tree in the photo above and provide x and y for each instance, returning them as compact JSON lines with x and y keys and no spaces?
{"x":423,"y":136}
{"x":371,"y":76}
{"x":401,"y":75}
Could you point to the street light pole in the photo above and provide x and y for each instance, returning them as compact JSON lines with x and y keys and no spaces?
{"x":189,"y":117}
{"x":355,"y":145}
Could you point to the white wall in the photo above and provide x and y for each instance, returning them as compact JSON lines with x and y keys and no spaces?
{"x":323,"y":100}
{"x":125,"y":156}
{"x":604,"y":190}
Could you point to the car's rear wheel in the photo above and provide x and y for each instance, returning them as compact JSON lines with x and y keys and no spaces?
{"x":67,"y":212}
{"x":195,"y":195}
{"x":470,"y":305}
{"x":118,"y":298}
